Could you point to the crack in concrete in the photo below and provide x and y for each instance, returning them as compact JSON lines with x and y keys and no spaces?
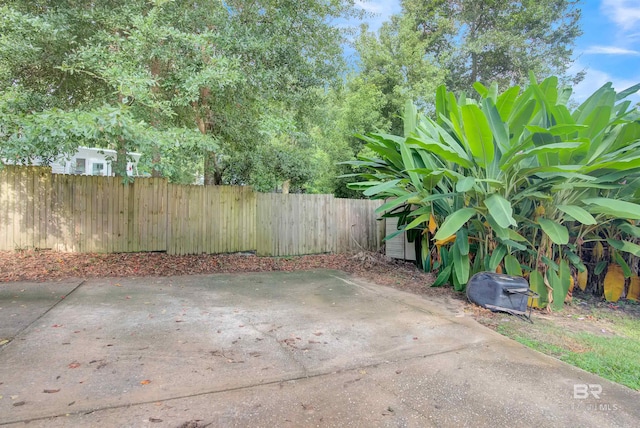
{"x":12,"y":339}
{"x":246,"y":387}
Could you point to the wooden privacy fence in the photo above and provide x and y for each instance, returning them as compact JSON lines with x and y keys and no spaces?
{"x":76,"y":213}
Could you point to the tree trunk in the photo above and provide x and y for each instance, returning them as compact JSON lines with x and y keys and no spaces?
{"x":120,"y":162}
{"x":212,"y":171}
{"x":285,"y":186}
{"x":155,"y":89}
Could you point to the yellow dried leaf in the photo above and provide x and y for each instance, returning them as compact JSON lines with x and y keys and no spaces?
{"x":499,"y":269}
{"x":634,"y":288}
{"x":598,"y":251}
{"x":432,"y":224}
{"x":445,"y":241}
{"x":613,"y":283}
{"x":582,"y":279}
{"x":540,"y":211}
{"x":569,"y":296}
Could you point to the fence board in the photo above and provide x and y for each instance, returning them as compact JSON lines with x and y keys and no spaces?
{"x":101,"y":214}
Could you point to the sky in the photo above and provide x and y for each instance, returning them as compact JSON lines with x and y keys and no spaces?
{"x":608,"y":50}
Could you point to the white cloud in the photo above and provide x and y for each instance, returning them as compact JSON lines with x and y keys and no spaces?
{"x":380,"y":7}
{"x":594,"y":79}
{"x":625,"y":13}
{"x":610,"y":50}
{"x":378,"y":11}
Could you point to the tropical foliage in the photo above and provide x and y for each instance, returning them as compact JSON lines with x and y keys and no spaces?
{"x":455,"y":43}
{"x":515,"y":182}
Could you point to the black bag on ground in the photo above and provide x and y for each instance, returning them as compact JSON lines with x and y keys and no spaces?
{"x":499,"y":292}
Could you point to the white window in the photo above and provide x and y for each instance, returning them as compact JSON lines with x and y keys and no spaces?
{"x":80,"y":167}
{"x":97,"y":169}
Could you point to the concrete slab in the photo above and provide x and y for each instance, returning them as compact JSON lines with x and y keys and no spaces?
{"x":23,"y":303}
{"x":299,"y":349}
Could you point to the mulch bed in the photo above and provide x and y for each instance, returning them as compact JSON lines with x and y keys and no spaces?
{"x":47,"y":265}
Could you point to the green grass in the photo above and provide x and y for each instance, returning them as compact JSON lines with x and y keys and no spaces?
{"x":614,"y":355}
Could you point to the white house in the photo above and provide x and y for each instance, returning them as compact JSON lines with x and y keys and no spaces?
{"x":93,"y":161}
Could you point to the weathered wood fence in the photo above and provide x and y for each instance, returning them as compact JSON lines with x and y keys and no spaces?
{"x":100,"y":214}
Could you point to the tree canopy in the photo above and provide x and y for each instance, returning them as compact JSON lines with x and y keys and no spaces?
{"x":252,"y":92}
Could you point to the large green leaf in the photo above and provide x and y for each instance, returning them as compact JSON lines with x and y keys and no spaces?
{"x":536,"y":283}
{"x":496,"y":124}
{"x":565,"y":128}
{"x":600,"y":266}
{"x":520,"y":116}
{"x":505,"y":102}
{"x":501,"y":211}
{"x":460,"y":265}
{"x":575,"y":260}
{"x":465,"y":184}
{"x":513,"y":245}
{"x":561,"y":285}
{"x":626,"y":270}
{"x":417,"y":221}
{"x":556,"y":232}
{"x":497,"y":256}
{"x":394,"y":203}
{"x":479,"y":136}
{"x":578,"y":213}
{"x":441,"y":103}
{"x":501,"y":232}
{"x":597,"y":98}
{"x":393,"y":235}
{"x":443,"y":276}
{"x":515,"y":236}
{"x":481,"y":89}
{"x":629,"y":91}
{"x":512,"y":266}
{"x":614,"y":208}
{"x":552,"y":148}
{"x":462,"y":241}
{"x":409,"y":165}
{"x":409,"y":118}
{"x":630,"y":229}
{"x":425,"y":253}
{"x":626,"y":246}
{"x":556,"y":287}
{"x":381,"y":188}
{"x":453,"y":222}
{"x":443,"y":151}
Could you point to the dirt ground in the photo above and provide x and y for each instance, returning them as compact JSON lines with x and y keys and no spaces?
{"x":34,"y":265}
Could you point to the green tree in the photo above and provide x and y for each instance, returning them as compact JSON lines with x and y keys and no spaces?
{"x":459,"y":42}
{"x":217,"y":68}
{"x":504,"y":41}
{"x":395,"y":66}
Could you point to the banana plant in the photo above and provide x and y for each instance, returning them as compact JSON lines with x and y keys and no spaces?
{"x":515,"y":180}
